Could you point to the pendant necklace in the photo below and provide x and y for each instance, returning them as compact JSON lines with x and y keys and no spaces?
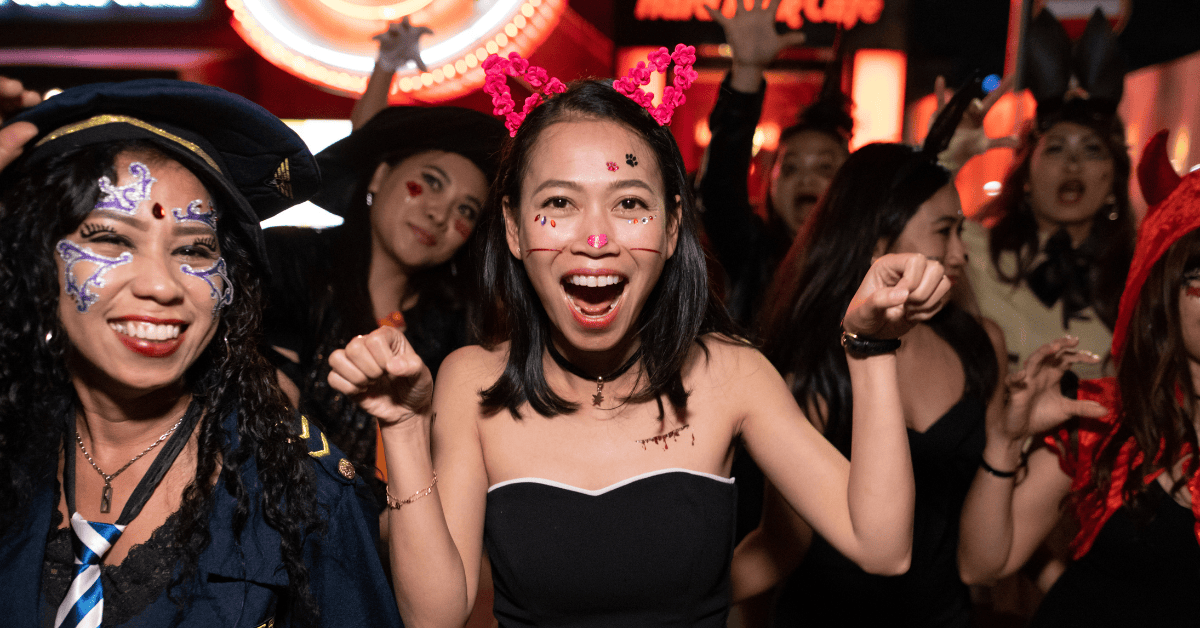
{"x":597,"y":398}
{"x":106,"y":496}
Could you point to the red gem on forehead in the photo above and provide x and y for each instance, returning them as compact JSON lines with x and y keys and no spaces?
{"x":158,"y":211}
{"x":612,"y":166}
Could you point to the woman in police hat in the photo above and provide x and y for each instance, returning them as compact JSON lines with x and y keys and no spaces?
{"x":410,"y":184}
{"x":151,"y":472}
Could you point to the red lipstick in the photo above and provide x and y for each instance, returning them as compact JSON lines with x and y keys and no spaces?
{"x":145,"y":346}
{"x":423,"y":236}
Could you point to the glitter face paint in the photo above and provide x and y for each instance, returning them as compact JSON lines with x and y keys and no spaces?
{"x":126,"y":198}
{"x":612,"y":166}
{"x":71,"y":255}
{"x":414,"y":188}
{"x":190,"y":214}
{"x":224,"y":296}
{"x":597,"y":241}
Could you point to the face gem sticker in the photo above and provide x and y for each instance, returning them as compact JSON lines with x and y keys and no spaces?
{"x":552,"y":224}
{"x":71,"y":255}
{"x":630,"y":159}
{"x":597,"y":241}
{"x":462,"y":227}
{"x":209,"y":217}
{"x":125,"y":199}
{"x":612,"y":166}
{"x":158,"y":211}
{"x":223,"y":297}
{"x":414,"y":188}
{"x":644,"y":220}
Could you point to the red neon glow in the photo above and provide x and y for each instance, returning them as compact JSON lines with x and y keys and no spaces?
{"x":794,"y":12}
{"x":344,"y":27}
{"x":878,"y":93}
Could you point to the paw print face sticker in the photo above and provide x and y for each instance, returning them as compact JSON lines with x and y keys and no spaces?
{"x":630,"y":159}
{"x":612,"y":166}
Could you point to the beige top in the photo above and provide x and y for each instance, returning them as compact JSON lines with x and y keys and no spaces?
{"x":1027,"y":323}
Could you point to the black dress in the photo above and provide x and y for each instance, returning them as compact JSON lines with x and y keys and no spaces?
{"x":313,"y":309}
{"x":1137,"y":573}
{"x":830,"y":590}
{"x":653,"y":550}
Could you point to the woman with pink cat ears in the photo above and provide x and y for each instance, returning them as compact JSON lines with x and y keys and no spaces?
{"x":587,"y":442}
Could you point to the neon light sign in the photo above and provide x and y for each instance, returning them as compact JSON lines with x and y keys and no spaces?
{"x":794,"y":12}
{"x":328,"y":42}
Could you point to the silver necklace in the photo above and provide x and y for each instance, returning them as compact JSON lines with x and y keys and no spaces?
{"x":106,"y":496}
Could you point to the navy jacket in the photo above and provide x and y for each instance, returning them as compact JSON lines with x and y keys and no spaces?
{"x":239,"y":583}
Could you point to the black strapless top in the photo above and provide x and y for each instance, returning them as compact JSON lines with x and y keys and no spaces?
{"x":828,"y":589}
{"x":653,"y":550}
{"x":1137,"y":573}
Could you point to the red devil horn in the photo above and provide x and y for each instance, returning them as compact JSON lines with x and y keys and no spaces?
{"x":1155,"y":173}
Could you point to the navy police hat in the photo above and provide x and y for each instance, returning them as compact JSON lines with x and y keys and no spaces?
{"x":408,"y":130}
{"x":250,"y":161}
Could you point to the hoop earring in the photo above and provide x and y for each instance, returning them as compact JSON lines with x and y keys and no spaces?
{"x":370,"y":198}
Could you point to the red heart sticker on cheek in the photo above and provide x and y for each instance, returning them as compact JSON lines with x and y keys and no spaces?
{"x":414,"y":188}
{"x":462,"y":228}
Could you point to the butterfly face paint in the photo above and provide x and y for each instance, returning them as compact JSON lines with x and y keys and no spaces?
{"x":81,"y":291}
{"x":208,"y":218}
{"x":126,"y":198}
{"x":222,"y":296}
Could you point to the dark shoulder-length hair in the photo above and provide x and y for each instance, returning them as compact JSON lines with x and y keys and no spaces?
{"x":681,"y":307}
{"x":1157,"y":396}
{"x":1111,"y":238}
{"x":871,"y":198}
{"x":446,"y":287}
{"x":43,"y":202}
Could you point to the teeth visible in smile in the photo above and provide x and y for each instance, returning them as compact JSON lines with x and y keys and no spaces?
{"x":146,"y":331}
{"x":593,"y":281}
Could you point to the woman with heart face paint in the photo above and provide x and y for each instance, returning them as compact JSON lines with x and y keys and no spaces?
{"x":152,"y":471}
{"x":588,"y":442}
{"x":410,"y":184}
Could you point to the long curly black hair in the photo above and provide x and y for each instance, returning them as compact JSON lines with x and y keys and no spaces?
{"x":40,"y":203}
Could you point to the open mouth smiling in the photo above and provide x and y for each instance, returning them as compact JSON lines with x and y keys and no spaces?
{"x":149,"y":337}
{"x":594,"y":296}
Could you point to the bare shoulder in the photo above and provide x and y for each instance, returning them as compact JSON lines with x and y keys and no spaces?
{"x":724,"y":359}
{"x":463,"y":375}
{"x":472,"y":364}
{"x":996,"y":335}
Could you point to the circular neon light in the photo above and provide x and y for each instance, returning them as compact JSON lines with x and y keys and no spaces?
{"x":389,"y":12}
{"x":328,"y":42}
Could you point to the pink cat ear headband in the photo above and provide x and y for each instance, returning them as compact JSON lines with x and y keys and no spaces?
{"x":497,"y":68}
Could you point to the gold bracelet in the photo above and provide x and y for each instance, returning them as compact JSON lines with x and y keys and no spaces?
{"x":397,"y":504}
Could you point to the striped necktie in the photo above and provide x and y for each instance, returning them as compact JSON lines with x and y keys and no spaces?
{"x":84,"y":604}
